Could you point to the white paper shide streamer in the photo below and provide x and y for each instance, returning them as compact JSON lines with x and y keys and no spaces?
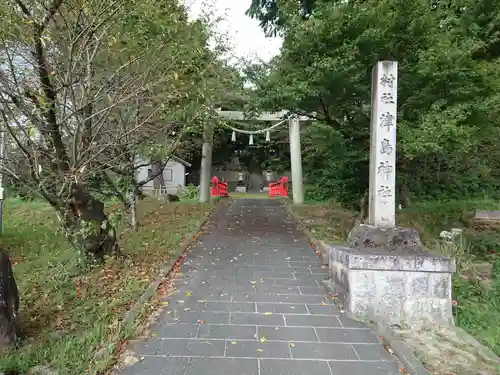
{"x":251,"y":133}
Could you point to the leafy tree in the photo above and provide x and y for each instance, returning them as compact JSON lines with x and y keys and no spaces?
{"x":272,"y":14}
{"x":448,"y":96}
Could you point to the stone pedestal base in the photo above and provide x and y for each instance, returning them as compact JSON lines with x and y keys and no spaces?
{"x":400,"y":280}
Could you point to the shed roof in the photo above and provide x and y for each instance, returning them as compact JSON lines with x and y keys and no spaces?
{"x":179,"y":160}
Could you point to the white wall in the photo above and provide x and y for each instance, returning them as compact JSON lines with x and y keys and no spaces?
{"x":174,"y":175}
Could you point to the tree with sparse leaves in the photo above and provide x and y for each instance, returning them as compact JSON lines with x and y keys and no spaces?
{"x":85,"y":88}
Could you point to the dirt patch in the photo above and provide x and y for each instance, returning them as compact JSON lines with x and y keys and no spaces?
{"x":447,"y":350}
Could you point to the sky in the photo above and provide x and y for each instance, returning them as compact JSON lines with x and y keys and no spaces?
{"x":246,"y":37}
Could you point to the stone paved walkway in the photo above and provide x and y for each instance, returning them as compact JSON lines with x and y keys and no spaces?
{"x":249,"y":302}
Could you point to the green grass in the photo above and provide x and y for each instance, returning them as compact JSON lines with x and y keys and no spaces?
{"x":69,"y":312}
{"x":478,"y":309}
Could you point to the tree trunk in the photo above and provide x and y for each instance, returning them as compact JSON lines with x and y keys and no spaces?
{"x":9,"y":302}
{"x":159,"y":182}
{"x":132,"y":208}
{"x":87,"y":225}
{"x":206,"y":164}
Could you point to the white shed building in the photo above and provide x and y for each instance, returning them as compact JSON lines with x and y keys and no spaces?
{"x":174,"y":176}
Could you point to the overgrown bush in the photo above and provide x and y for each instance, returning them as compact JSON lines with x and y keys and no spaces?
{"x":188,"y":192}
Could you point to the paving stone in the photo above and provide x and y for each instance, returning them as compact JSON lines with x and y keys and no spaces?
{"x":310,"y":276}
{"x":182,"y":347}
{"x":210,"y":297}
{"x":294,"y":367}
{"x":303,"y":263}
{"x":314,"y":290}
{"x":279,"y":289}
{"x":257,"y":319}
{"x":221,"y":366}
{"x":350,"y":323}
{"x":364,"y":368}
{"x":174,"y":331}
{"x":228,"y":289}
{"x":280,"y":274}
{"x":231,"y":306}
{"x":287,"y":333}
{"x":325,"y":309}
{"x":227,"y":332}
{"x":312,"y":321}
{"x":268,"y":349}
{"x":372,"y":352}
{"x":305,"y":299}
{"x":256,"y":297}
{"x":194,"y":317}
{"x":293,"y":282}
{"x":299,"y":269}
{"x":157,"y":366}
{"x":346,"y":335}
{"x":325,"y":351}
{"x":281,"y":308}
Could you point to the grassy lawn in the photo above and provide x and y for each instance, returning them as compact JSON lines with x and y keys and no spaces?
{"x":69,"y":313}
{"x":478,"y":309}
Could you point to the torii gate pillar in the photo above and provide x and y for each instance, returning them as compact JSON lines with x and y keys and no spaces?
{"x":296,"y":160}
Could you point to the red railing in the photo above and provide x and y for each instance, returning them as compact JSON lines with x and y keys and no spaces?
{"x":280,"y":188}
{"x":219,"y":188}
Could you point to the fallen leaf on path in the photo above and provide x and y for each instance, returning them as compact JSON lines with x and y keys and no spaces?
{"x":389,"y":349}
{"x":130,"y":360}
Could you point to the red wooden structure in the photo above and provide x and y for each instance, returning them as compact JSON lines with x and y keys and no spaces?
{"x":280,"y":188}
{"x":219,"y":188}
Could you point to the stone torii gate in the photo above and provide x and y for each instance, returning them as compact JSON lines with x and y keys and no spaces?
{"x":295,"y":150}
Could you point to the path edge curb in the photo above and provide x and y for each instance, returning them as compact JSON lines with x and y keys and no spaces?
{"x":386,"y":335}
{"x":401,"y":350}
{"x":165,"y":271}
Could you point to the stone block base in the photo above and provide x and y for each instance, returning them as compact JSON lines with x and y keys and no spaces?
{"x":404,"y":288}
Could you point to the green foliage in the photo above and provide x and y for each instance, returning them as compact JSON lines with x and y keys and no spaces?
{"x":272,"y":13}
{"x":478,"y":308}
{"x":448,"y":93}
{"x":188,"y":192}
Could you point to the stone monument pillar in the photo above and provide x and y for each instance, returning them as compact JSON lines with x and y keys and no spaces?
{"x":382,"y":203}
{"x":383,"y":272}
